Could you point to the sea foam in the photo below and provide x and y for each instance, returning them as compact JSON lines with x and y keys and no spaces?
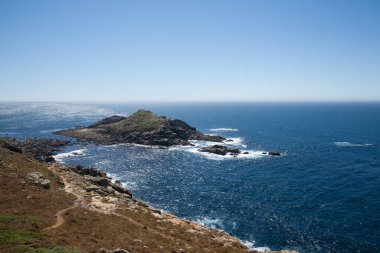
{"x":251,"y":245}
{"x":234,"y":142}
{"x":60,"y":157}
{"x":50,"y":130}
{"x":210,"y":222}
{"x":237,"y":141}
{"x":350,"y":144}
{"x":223,"y":129}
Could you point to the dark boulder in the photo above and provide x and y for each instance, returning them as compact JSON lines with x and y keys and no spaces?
{"x":12,"y":148}
{"x":220,"y":150}
{"x":205,"y":137}
{"x":49,"y":159}
{"x":274,"y":153}
{"x":88,"y":171}
{"x":119,"y":188}
{"x":102,"y":181}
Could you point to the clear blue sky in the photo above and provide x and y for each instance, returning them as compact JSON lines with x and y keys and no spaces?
{"x":184,"y":50}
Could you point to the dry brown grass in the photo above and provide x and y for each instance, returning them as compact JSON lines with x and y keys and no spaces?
{"x":26,"y":211}
{"x":134,"y":227}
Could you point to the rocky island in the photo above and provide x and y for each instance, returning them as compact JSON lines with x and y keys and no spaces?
{"x":142,"y":127}
{"x":146,"y":128}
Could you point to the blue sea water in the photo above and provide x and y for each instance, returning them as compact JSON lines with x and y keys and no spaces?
{"x":322,"y":195}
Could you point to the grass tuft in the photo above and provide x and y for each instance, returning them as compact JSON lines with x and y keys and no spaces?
{"x":9,"y":237}
{"x":32,"y":220}
{"x":2,"y":200}
{"x":54,"y":250}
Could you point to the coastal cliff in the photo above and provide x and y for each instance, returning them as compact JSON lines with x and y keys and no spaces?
{"x":70,"y":209}
{"x":142,"y":127}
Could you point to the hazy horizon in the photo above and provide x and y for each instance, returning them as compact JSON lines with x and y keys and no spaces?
{"x":190,"y":51}
{"x":198,"y":102}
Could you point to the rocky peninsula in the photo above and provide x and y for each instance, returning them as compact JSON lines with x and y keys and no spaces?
{"x":142,"y":127}
{"x":51,"y":208}
{"x":146,"y":128}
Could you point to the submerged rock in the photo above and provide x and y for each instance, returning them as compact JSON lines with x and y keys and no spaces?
{"x":272,"y":153}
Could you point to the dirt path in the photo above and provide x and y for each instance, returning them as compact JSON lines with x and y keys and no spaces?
{"x":68,"y":188}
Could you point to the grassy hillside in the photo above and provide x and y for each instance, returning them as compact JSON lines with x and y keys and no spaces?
{"x":141,"y":121}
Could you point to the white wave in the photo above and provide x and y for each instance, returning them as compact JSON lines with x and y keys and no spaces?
{"x":251,"y":154}
{"x":350,"y":144}
{"x":60,"y":157}
{"x":210,"y":223}
{"x":50,"y":130}
{"x":262,"y":249}
{"x":146,"y":146}
{"x":130,"y":185}
{"x":251,"y":245}
{"x":8,"y":133}
{"x":237,"y":141}
{"x":222,"y":129}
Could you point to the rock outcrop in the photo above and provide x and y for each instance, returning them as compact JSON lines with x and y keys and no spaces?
{"x":272,"y":153}
{"x":40,"y":149}
{"x":220,"y":150}
{"x":99,"y":182}
{"x":142,"y":127}
{"x":38,"y":179}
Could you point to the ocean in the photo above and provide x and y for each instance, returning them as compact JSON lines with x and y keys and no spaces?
{"x":321,"y":195}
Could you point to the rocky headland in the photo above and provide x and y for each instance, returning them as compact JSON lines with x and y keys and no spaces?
{"x":142,"y":127}
{"x":51,"y":208}
{"x":146,"y":128}
{"x":39,"y":149}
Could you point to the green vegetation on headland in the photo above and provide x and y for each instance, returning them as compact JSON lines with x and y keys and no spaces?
{"x":20,"y":233}
{"x":141,"y":121}
{"x":142,"y":127}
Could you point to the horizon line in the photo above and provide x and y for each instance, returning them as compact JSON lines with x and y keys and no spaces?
{"x":190,"y":101}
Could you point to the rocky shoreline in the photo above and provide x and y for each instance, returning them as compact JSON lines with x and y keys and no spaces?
{"x":97,"y":193}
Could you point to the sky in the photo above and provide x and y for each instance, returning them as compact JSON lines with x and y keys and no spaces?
{"x":183,"y":51}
